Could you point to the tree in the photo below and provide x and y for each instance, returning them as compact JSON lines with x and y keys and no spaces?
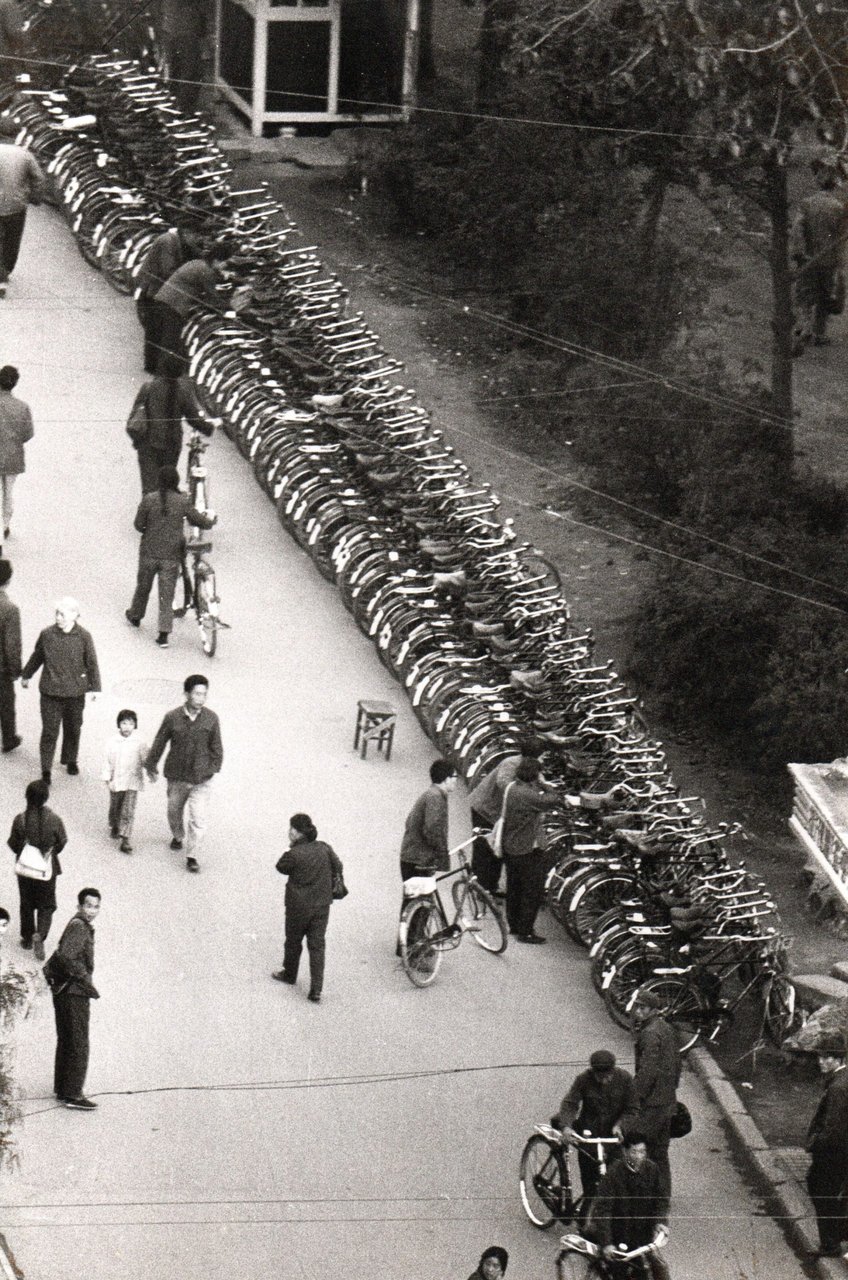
{"x":696,"y":89}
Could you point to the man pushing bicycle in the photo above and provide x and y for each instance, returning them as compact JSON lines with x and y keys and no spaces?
{"x":630,"y":1211}
{"x":601,"y":1103}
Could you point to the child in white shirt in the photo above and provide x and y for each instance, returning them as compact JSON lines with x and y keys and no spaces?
{"x":123,"y":770}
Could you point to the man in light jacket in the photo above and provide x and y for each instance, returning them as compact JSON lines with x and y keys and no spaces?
{"x":21,"y":184}
{"x":15,"y":430}
{"x":66,"y":652}
{"x":524,"y":844}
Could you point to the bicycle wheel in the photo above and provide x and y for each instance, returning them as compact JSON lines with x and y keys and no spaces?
{"x":684,"y":1006}
{"x":206,"y":620}
{"x":541,"y":1179}
{"x":781,"y":1014}
{"x":480,"y":916}
{"x":420,"y":958}
{"x":591,"y":900}
{"x":184,"y":593}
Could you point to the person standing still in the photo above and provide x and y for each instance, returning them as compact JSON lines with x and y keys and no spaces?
{"x":167,"y":252}
{"x":16,"y":430}
{"x":194,"y":284}
{"x":818,"y":250}
{"x":166,"y":399}
{"x":44,"y":830}
{"x":524,"y":848}
{"x":66,"y":651}
{"x":310,"y":865}
{"x":11,"y":39}
{"x":123,"y":772}
{"x":159,"y":520}
{"x":657,"y":1078}
{"x":485,"y":802}
{"x":424,"y":847}
{"x":10,"y":661}
{"x":21,"y":184}
{"x":69,"y":971}
{"x":192,"y":734}
{"x":827,"y":1144}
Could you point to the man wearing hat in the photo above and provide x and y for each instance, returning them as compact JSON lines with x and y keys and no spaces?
{"x":827,"y":1143}
{"x":10,"y":660}
{"x":657,"y":1077}
{"x":15,"y":430}
{"x":602,"y":1102}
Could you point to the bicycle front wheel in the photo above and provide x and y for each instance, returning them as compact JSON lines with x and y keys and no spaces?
{"x":184,"y":593}
{"x":541,"y":1180}
{"x":480,"y":916}
{"x":207,"y":620}
{"x":419,"y":955}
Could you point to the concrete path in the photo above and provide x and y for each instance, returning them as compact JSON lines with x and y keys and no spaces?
{"x":243,"y":1132}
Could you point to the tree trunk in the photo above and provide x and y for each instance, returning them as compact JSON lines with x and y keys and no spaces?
{"x":781,"y":323}
{"x":426,"y":52}
{"x":493,"y":45}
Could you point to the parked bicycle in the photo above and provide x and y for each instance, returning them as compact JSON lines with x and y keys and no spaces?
{"x":426,"y":931}
{"x":544,"y":1179}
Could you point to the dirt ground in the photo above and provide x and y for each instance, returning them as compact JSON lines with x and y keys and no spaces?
{"x":451,"y":357}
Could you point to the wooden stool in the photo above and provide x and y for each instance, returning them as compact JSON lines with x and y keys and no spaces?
{"x":375,"y":722}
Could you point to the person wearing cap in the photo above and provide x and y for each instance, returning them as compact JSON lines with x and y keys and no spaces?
{"x":827,"y":1144}
{"x":492,"y":1264}
{"x":311,"y":865}
{"x":10,"y":661}
{"x":21,"y":184}
{"x":631,"y":1207}
{"x":657,"y":1077}
{"x":817,"y":241}
{"x":15,"y":430}
{"x":602,"y":1103}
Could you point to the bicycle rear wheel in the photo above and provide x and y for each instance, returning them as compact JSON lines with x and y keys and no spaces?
{"x":541,"y":1179}
{"x":207,"y":620}
{"x":419,"y":956}
{"x":683,"y":1006}
{"x":479,"y":916}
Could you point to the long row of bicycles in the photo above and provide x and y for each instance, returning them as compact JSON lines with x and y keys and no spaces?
{"x":472,"y":622}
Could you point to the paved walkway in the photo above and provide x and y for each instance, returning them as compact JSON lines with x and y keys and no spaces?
{"x":243,"y":1132}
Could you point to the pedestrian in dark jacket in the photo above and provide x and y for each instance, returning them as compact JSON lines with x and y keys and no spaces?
{"x":524,"y":845}
{"x":192,"y":734}
{"x":492,"y":1264}
{"x":69,"y":971}
{"x":10,"y":661}
{"x":827,"y":1143}
{"x":424,"y":848}
{"x":485,"y":802}
{"x":15,"y":430}
{"x":657,"y":1077}
{"x":601,"y":1102}
{"x":160,"y":520}
{"x":310,"y":865}
{"x":66,"y":651}
{"x":44,"y":830}
{"x":167,"y":252}
{"x":631,"y":1207}
{"x":166,"y":400}
{"x":21,"y":184}
{"x":194,"y":284}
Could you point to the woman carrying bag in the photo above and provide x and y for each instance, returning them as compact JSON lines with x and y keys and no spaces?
{"x":315,"y":879}
{"x":36,"y":839}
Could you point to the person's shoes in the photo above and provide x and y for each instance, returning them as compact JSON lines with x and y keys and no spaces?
{"x":12,"y":746}
{"x":73,"y":769}
{"x":192,"y":864}
{"x":281,"y":977}
{"x":80,"y":1104}
{"x":2,"y":290}
{"x":314,"y":997}
{"x":497,"y":893}
{"x":37,"y":946}
{"x":126,"y":847}
{"x":46,"y":776}
{"x":26,"y":943}
{"x":176,"y":844}
{"x":6,"y":532}
{"x":535,"y":939}
{"x":134,"y":622}
{"x":162,"y":639}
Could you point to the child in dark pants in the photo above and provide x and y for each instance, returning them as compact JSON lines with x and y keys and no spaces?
{"x":123,"y":770}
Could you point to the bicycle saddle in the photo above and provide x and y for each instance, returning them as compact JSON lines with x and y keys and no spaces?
{"x":198,"y":548}
{"x":419,"y":886}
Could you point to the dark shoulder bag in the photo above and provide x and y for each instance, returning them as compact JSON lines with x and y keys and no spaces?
{"x":138,"y":423}
{"x":340,"y":889}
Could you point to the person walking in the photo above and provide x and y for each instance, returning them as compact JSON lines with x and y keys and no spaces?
{"x":657,"y":1078}
{"x":818,"y":237}
{"x":485,"y":802}
{"x":155,"y":423}
{"x":631,"y":1207}
{"x":160,"y":519}
{"x":21,"y":184}
{"x":311,"y":866}
{"x":11,"y":39}
{"x":44,"y":830}
{"x":123,"y":771}
{"x":827,"y":1144}
{"x":192,"y":734}
{"x":66,"y":651}
{"x":167,"y":252}
{"x":15,"y":430}
{"x":193,"y":284}
{"x":524,"y":846}
{"x":492,"y":1264}
{"x":69,"y":972}
{"x":10,"y":661}
{"x":601,"y":1102}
